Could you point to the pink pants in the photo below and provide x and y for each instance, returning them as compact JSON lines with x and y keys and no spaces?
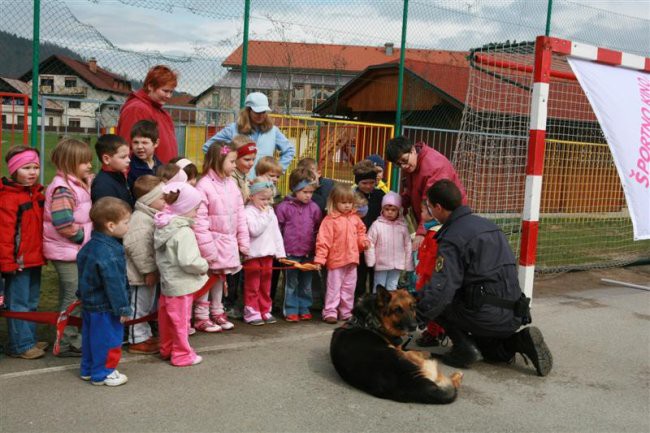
{"x":174,"y":314}
{"x":257,"y":288}
{"x":340,"y":292}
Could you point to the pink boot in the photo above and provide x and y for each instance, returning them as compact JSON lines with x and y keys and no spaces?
{"x":202,"y":320}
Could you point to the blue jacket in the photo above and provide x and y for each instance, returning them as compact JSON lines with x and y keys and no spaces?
{"x":103,"y":285}
{"x":111,"y":184}
{"x":267,"y":143}
{"x":139,"y":168}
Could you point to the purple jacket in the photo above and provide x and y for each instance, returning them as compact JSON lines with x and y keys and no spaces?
{"x":299,"y":225}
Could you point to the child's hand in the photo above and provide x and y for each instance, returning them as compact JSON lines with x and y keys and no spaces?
{"x":366,"y":244}
{"x":151,"y":279}
{"x":244,"y":251}
{"x":123,"y":319}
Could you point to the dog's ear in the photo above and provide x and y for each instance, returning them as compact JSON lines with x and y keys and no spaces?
{"x":383,"y":296}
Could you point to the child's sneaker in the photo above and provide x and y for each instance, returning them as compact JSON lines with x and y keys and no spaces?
{"x":256,"y":322}
{"x":207,"y":326}
{"x":268,"y":318}
{"x":148,"y":347}
{"x":307,"y":316}
{"x":84,"y":378}
{"x":197,"y":360}
{"x":222,"y":320}
{"x":114,"y":379}
{"x":191,"y":331}
{"x":292,"y":318}
{"x":330,"y":320}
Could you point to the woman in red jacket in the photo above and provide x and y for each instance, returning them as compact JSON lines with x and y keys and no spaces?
{"x":147,"y":104}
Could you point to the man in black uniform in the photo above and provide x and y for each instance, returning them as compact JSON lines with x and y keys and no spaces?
{"x":474,"y":293}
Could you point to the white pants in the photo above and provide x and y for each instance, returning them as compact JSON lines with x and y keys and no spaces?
{"x":143,"y":302}
{"x":388,"y":279}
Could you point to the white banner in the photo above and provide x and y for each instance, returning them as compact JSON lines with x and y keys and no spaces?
{"x":620,"y":99}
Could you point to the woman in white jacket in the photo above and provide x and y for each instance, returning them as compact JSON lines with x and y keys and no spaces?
{"x":265,"y":244}
{"x":390,"y":249}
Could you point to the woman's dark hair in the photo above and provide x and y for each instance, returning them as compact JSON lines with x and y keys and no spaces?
{"x":397,"y":147}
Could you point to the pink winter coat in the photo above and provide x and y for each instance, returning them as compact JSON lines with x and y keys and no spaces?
{"x":266,"y":239}
{"x":220,"y":228}
{"x":390,"y":245}
{"x":340,"y":239}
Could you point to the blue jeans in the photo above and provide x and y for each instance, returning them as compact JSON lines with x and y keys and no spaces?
{"x":22,"y":292}
{"x":388,"y":279}
{"x":297,"y":289}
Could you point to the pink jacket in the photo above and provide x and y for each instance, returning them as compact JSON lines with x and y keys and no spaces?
{"x":264,"y":231}
{"x":390,"y":245}
{"x":55,"y":246}
{"x":220,"y":228}
{"x":339,"y":240}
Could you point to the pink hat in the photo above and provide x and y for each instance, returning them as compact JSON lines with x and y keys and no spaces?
{"x":188,"y":199}
{"x":392,"y":199}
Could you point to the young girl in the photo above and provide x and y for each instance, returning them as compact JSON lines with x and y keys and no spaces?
{"x":182,"y":271}
{"x":246,"y":154}
{"x":267,"y":167}
{"x":21,"y":246}
{"x":266,"y":243}
{"x":221,"y":232}
{"x":342,"y":235}
{"x":390,"y":250}
{"x":67,"y":225}
{"x":188,"y":167}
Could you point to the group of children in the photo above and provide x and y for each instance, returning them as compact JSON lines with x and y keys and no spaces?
{"x":142,"y":236}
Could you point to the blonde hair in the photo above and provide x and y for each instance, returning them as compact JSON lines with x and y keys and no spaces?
{"x":341,"y":193}
{"x":68,"y":154}
{"x":214,"y":157}
{"x":240,"y":140}
{"x":268,"y":164}
{"x":244,"y":125}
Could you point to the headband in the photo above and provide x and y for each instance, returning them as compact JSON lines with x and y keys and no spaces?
{"x":21,"y":159}
{"x":247,"y":149}
{"x":365,"y":176}
{"x":182,"y":163}
{"x":302,"y":185}
{"x":260,"y":186}
{"x":152,"y":195}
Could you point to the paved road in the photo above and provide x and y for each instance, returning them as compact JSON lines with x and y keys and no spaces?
{"x":278,"y":378}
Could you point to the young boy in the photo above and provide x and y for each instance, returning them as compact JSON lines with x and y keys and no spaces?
{"x":144,"y":141}
{"x":269,"y":168}
{"x":324,"y":187}
{"x":113,"y":153}
{"x":380,"y":165}
{"x":141,"y":261}
{"x":104,"y":293}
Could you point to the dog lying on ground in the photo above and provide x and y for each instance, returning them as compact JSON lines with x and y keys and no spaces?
{"x":365,"y":355}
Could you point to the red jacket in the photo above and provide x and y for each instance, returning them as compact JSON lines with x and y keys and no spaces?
{"x":139,"y":106}
{"x":427,"y":255}
{"x":21,"y":219}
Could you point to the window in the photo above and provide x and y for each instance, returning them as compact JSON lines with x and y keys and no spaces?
{"x":216,"y":100}
{"x":74,"y":122}
{"x":47,"y":82}
{"x":70,"y":82}
{"x":20,"y":120}
{"x":298,"y":97}
{"x":50,"y":121}
{"x":74,"y":104}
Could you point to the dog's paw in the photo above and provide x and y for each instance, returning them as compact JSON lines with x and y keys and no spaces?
{"x":456,"y":379}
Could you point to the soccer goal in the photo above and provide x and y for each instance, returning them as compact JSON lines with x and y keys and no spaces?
{"x":526,"y":119}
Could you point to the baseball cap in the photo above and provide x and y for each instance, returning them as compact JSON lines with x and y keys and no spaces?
{"x":258,"y":102}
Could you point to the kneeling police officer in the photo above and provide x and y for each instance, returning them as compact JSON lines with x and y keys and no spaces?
{"x":474,"y":293}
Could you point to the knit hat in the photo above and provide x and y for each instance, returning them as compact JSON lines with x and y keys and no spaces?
{"x":377,"y":160}
{"x":188,"y":199}
{"x":392,"y":199}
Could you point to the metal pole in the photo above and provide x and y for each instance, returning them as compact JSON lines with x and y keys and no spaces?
{"x":244,"y":55}
{"x":548,"y":18}
{"x":43,"y":104}
{"x":35,"y":62}
{"x":400,"y":87}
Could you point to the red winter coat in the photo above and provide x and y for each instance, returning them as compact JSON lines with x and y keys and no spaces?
{"x":427,"y":255}
{"x":139,"y":106}
{"x":21,"y":219}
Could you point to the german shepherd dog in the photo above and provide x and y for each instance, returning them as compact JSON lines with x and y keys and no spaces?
{"x":365,"y":355}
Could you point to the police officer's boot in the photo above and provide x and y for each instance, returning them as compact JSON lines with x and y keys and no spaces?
{"x":463,"y":352}
{"x":530,"y":343}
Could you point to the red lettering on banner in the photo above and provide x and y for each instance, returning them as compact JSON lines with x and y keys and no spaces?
{"x":642,"y":176}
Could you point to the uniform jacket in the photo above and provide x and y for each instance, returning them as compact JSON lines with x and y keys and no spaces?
{"x":340,"y":239}
{"x":139,"y":106}
{"x":432,"y":167}
{"x":182,"y":269}
{"x":21,"y":219}
{"x":103,"y":286}
{"x":111,"y":184}
{"x":390,"y":245}
{"x":55,"y":246}
{"x":267,"y":143}
{"x":299,"y":225}
{"x":220,"y":227}
{"x":472,"y":251}
{"x":264,"y":231}
{"x":138,"y":244}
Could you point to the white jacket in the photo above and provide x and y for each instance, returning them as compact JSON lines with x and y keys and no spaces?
{"x":266,"y":239}
{"x":138,"y":244}
{"x":390,"y":245}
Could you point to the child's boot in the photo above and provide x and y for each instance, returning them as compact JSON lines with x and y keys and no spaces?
{"x":218,"y":316}
{"x":202,"y":320}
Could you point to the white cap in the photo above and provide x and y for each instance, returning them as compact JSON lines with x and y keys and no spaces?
{"x":258,"y":102}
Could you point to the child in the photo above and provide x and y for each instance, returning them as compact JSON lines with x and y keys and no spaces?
{"x":390,"y":250}
{"x":67,"y":225}
{"x":380,"y":165}
{"x":299,"y":218}
{"x":341,"y":237}
{"x":141,"y":266}
{"x":221,"y":232}
{"x":323,"y":185}
{"x":113,"y":153}
{"x":270,"y":169}
{"x":21,"y":246}
{"x":182,"y":271}
{"x":188,"y":167}
{"x":170,"y":171}
{"x":246,"y":154}
{"x":104,"y":293}
{"x":144,"y":141}
{"x":265,"y":244}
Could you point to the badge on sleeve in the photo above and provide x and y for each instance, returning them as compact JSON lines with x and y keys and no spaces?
{"x":440,"y":263}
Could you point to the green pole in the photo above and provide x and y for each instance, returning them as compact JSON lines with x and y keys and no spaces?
{"x":548,"y":17}
{"x":244,"y":55}
{"x":35,"y":62}
{"x":400,"y":88}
